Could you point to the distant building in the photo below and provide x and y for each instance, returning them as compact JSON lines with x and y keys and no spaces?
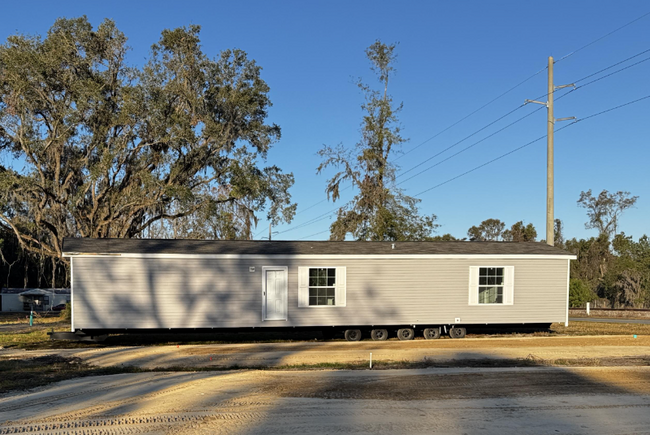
{"x":32,"y":299}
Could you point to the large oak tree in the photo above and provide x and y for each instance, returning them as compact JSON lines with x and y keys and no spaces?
{"x":97,"y":148}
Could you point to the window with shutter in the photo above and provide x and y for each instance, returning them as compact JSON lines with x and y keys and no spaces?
{"x":491,"y":285}
{"x":321,"y":286}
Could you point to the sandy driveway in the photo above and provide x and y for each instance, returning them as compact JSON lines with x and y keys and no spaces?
{"x":441,"y":401}
{"x":296,"y":353}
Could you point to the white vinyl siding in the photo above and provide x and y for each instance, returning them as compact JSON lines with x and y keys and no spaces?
{"x":328,"y":290}
{"x":491,"y":285}
{"x":225,"y":293}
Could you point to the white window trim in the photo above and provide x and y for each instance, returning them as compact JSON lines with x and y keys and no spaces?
{"x":340,"y":287}
{"x":507,"y":286}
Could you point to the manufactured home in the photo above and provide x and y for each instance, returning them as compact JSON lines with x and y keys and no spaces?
{"x":358,"y":288}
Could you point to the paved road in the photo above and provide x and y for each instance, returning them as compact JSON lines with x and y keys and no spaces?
{"x":608,"y":320}
{"x":544,"y":401}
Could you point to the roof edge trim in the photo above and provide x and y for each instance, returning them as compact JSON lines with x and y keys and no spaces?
{"x":325,"y":256}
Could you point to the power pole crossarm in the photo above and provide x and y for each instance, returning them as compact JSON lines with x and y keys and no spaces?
{"x":550,"y":129}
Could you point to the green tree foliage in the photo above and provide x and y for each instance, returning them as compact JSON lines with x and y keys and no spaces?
{"x":380,"y":211}
{"x":488,"y":230}
{"x":444,"y":238}
{"x":628,"y":280}
{"x":617,"y":268}
{"x":605,"y":210}
{"x":520,"y":233}
{"x":593,"y":259}
{"x":109,"y":150}
{"x":579,"y":293}
{"x":558,"y":234}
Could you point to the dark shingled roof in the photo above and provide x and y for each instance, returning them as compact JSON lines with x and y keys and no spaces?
{"x":171,"y":246}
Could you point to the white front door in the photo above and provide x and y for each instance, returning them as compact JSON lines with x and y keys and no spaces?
{"x":275,"y":293}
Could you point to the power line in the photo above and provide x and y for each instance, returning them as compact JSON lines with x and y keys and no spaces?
{"x":612,"y":73}
{"x":328,"y":214}
{"x":522,"y":118}
{"x":603,"y":37}
{"x":315,"y":234}
{"x":522,"y":82}
{"x":464,"y":149}
{"x":530,"y":143}
{"x":311,"y":221}
{"x":472,"y":113}
{"x":612,"y":66}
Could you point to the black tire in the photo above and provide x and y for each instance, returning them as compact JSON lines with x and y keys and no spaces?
{"x":406,"y":334}
{"x":457,"y":332}
{"x":431,"y":333}
{"x":352,"y":334}
{"x":379,"y":334}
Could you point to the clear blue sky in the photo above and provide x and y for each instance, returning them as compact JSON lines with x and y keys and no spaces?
{"x":453,"y":57}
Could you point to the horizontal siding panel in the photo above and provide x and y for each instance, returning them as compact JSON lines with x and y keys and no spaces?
{"x":114,"y":292}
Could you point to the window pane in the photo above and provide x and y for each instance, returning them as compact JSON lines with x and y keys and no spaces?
{"x":482,"y":280}
{"x":322,"y":273}
{"x":498,"y":280}
{"x":499,"y":271}
{"x":492,"y":271}
{"x":313,"y":292}
{"x":483,"y":271}
{"x":490,"y":295}
{"x":313,"y":301}
{"x":331,"y":272}
{"x":313,"y":281}
{"x":313,"y":272}
{"x":331,"y":280}
{"x":330,"y":301}
{"x":330,"y":292}
{"x":491,"y":280}
{"x":322,"y":300}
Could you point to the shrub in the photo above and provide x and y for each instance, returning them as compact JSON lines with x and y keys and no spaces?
{"x":579,"y":293}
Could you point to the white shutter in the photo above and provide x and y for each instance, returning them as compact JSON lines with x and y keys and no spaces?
{"x":340,"y":286}
{"x":303,"y":286}
{"x":473,"y":285}
{"x":509,"y":285}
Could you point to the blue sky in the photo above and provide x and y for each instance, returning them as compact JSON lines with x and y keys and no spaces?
{"x":453,"y":57}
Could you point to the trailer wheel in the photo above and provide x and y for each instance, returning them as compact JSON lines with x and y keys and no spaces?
{"x":406,"y":334}
{"x":431,"y":333}
{"x":457,"y":332}
{"x":379,"y":334}
{"x":352,"y":334}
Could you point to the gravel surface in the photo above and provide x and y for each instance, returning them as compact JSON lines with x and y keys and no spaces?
{"x":441,"y":401}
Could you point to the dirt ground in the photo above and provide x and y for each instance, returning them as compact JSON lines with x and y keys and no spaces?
{"x":613,"y":400}
{"x":256,"y":355}
{"x":541,"y":384}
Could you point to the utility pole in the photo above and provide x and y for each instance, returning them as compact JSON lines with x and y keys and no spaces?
{"x":550,"y":130}
{"x":550,"y":186}
{"x":269,"y":232}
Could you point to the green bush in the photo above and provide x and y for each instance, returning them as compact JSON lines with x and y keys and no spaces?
{"x":579,"y":293}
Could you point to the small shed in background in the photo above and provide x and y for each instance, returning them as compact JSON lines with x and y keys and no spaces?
{"x":36,"y":299}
